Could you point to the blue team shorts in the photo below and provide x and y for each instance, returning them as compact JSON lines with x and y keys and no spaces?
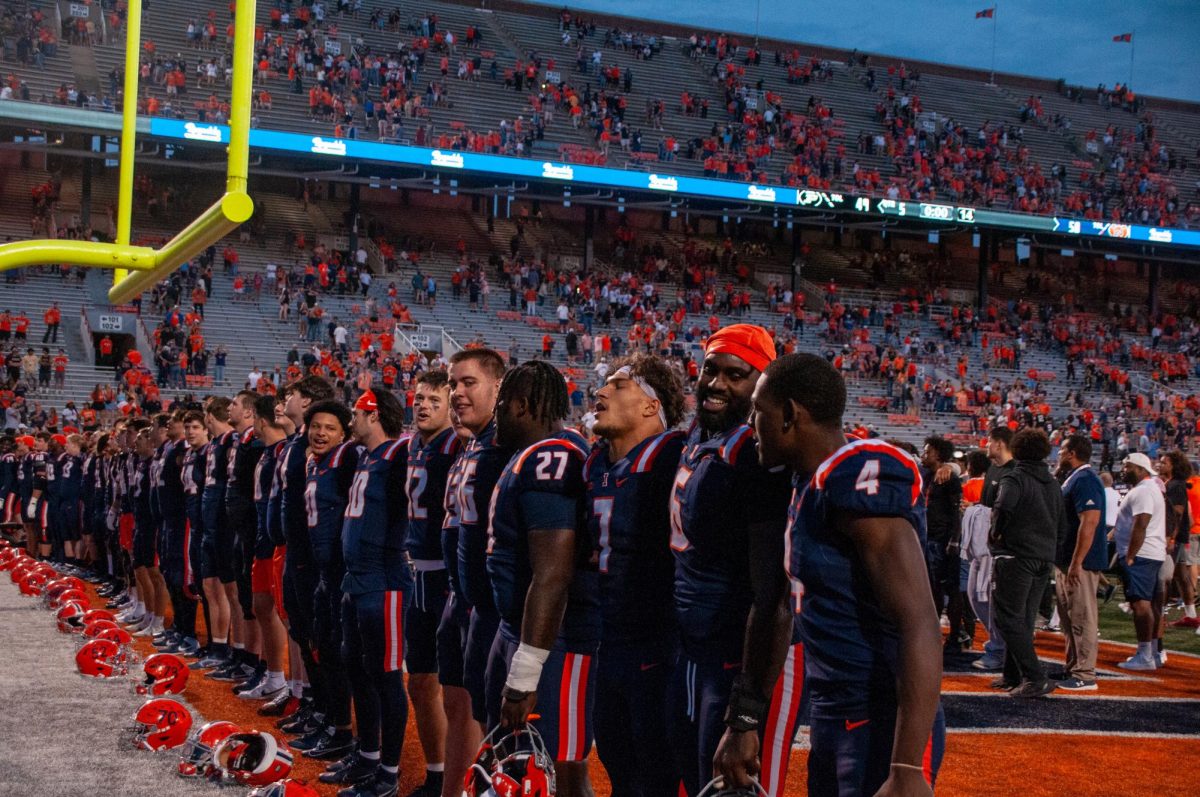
{"x":1140,"y":579}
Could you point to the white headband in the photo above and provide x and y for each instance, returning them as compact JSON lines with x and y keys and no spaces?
{"x":626,"y":372}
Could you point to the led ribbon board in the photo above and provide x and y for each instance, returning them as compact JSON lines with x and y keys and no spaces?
{"x":701,"y":187}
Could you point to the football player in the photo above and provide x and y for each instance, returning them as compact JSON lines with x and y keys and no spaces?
{"x":430,"y":456}
{"x":171,"y":503}
{"x":475,"y":376}
{"x":271,"y":433}
{"x":629,"y":477}
{"x":151,"y":587}
{"x":544,"y":584}
{"x":192,"y":476}
{"x":855,"y":556}
{"x":300,"y":573}
{"x":728,"y":515}
{"x":377,"y":586}
{"x":36,"y":473}
{"x":69,"y":475}
{"x":332,"y":461}
{"x":217,"y":547}
{"x":452,"y":638}
{"x":244,"y":451}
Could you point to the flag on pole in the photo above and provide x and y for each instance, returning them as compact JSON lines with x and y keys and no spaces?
{"x":1124,"y":37}
{"x":986,"y":13}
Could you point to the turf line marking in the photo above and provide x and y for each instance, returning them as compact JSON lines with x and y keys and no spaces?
{"x":1062,"y":732}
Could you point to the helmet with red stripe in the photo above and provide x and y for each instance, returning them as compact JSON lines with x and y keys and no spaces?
{"x":197,"y":759}
{"x":253,"y":758}
{"x":31,"y":583}
{"x":94,"y":628}
{"x":70,"y":618}
{"x":100,"y":658}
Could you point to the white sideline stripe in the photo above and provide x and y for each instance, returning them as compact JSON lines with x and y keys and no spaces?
{"x":1059,"y":732}
{"x":1170,"y":651}
{"x":1084,"y":696}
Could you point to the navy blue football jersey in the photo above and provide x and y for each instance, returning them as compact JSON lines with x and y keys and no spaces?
{"x":216,"y":463}
{"x":140,"y":492}
{"x":482,"y":463}
{"x":375,"y":522}
{"x":719,"y":491}
{"x":240,"y":469}
{"x":542,"y":489}
{"x":850,"y":645}
{"x":326,"y":493}
{"x":192,"y":474}
{"x":264,"y":478}
{"x":68,"y":473}
{"x":450,"y":522}
{"x":169,"y":481}
{"x":292,"y":509}
{"x":428,"y":472}
{"x":630,"y":523}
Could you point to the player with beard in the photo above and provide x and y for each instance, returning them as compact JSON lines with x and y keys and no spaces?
{"x":430,"y":456}
{"x":855,"y":555}
{"x":728,"y":515}
{"x":629,"y":478}
{"x":475,"y":376}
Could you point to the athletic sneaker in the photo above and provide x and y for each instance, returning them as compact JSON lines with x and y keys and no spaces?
{"x":1186,"y":622}
{"x":213,"y":660}
{"x":332,"y":746}
{"x":311,"y":739}
{"x":375,"y":787}
{"x":1033,"y":689}
{"x":352,"y":772}
{"x":283,"y":705}
{"x":1137,"y":662}
{"x":263,"y":692}
{"x":1160,"y":658}
{"x":1078,"y":685}
{"x":984,"y":663}
{"x":249,"y":684}
{"x":1002,"y":683}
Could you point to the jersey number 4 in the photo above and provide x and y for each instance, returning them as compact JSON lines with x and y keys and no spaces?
{"x":868,"y":477}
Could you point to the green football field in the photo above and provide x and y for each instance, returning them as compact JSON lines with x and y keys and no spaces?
{"x":1118,"y":627}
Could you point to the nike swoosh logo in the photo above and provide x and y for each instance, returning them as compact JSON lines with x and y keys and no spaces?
{"x":852,"y":725}
{"x":651,"y":665}
{"x":622,"y":481}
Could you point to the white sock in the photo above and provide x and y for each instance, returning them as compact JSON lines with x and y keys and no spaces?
{"x":297,"y":689}
{"x":373,"y":756}
{"x":1145,"y":650}
{"x":274,"y":681}
{"x":435,"y":767}
{"x":1189,"y":610}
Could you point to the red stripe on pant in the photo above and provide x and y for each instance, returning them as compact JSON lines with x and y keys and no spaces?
{"x":781,"y":719}
{"x":927,"y":762}
{"x":393,"y":631}
{"x":581,"y":695}
{"x":564,"y":709}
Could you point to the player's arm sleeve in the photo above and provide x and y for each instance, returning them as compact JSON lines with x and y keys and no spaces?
{"x":873,"y":484}
{"x":550,"y":497}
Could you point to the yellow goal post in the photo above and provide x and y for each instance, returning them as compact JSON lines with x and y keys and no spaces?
{"x":138,"y":268}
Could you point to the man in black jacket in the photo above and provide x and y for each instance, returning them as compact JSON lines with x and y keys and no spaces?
{"x":1026,"y":522}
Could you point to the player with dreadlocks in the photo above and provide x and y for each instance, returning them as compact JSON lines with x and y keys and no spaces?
{"x":545,"y":588}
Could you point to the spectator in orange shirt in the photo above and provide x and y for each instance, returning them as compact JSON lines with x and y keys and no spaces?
{"x":52,"y":317}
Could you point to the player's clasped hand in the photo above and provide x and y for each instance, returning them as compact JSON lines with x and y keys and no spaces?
{"x":736,"y":761}
{"x":514,"y":713}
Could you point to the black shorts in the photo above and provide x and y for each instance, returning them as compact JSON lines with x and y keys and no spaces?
{"x":452,"y":641}
{"x":480,"y":635}
{"x":70,"y":512}
{"x":299,"y":584}
{"x":422,"y":616}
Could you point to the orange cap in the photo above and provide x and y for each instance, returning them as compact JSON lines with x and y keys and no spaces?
{"x":749,"y":342}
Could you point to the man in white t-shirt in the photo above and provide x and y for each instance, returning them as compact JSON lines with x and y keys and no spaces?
{"x":1141,"y":537}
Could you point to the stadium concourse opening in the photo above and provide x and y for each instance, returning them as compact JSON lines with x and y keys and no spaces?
{"x":587,"y":236}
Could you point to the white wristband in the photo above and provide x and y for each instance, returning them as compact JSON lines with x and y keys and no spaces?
{"x":526,"y":668}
